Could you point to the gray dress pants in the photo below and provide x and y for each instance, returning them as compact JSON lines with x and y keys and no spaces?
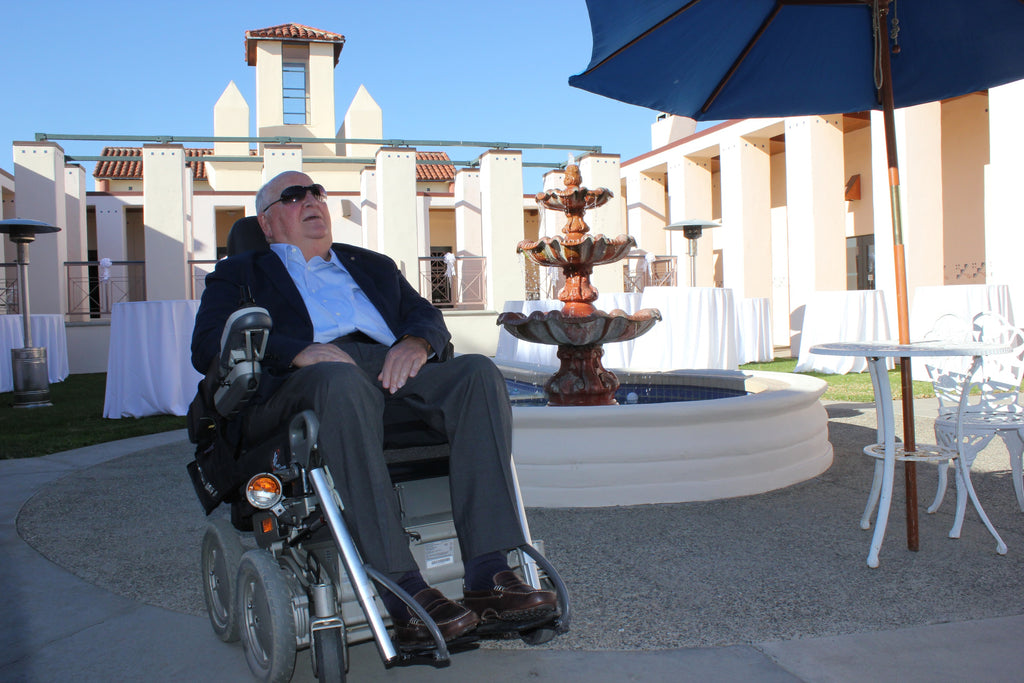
{"x":464,"y":398}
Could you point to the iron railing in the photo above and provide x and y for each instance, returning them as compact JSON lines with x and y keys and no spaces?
{"x":454,"y":281}
{"x":197,"y":282}
{"x":640,"y":271}
{"x":9,"y":289}
{"x":95,"y":286}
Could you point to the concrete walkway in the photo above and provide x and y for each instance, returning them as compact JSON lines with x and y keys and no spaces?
{"x":105,"y":592}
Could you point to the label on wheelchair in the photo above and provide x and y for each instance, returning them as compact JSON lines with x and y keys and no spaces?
{"x":439,"y":553}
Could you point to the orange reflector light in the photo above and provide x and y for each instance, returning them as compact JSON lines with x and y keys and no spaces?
{"x":267,"y":525}
{"x":263,"y":491}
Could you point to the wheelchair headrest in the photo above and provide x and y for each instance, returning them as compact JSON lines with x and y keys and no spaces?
{"x":246,"y":235}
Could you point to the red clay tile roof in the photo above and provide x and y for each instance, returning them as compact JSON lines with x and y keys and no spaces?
{"x":291,"y":33}
{"x":132,"y":170}
{"x":426,"y":172}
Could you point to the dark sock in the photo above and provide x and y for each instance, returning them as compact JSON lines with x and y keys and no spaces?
{"x":412,"y":583}
{"x":480,"y":570}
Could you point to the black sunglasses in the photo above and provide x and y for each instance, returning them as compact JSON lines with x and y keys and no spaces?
{"x":296,"y":193}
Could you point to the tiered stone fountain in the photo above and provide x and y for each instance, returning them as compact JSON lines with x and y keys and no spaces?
{"x":579,"y":329}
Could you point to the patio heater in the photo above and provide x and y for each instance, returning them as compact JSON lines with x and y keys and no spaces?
{"x":28,"y":364}
{"x":692,"y":231}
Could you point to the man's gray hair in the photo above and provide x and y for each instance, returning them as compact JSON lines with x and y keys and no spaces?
{"x":262,"y":200}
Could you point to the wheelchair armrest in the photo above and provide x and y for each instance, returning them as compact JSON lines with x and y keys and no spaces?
{"x":242,"y":345}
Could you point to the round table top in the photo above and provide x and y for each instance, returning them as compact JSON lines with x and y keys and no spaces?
{"x":887,"y":349}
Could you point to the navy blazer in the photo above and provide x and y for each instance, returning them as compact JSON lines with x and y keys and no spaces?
{"x":262,"y":275}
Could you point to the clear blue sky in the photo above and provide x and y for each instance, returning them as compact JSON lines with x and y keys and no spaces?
{"x":452,"y":69}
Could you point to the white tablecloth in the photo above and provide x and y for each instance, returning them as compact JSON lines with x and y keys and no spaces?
{"x":149,"y":369}
{"x":754,"y":331}
{"x":843,"y":316}
{"x":616,"y":355}
{"x":697,"y":330}
{"x":963,"y":301}
{"x":47,"y":332}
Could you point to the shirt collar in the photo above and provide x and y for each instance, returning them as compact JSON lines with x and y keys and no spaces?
{"x":292,"y":255}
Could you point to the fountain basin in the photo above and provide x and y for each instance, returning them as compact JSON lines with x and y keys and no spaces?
{"x":553,"y":327}
{"x":774,"y":436}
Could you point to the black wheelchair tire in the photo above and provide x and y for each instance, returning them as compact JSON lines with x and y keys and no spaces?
{"x":537,"y":636}
{"x":265,"y":617}
{"x":221,"y":554}
{"x":329,"y":655}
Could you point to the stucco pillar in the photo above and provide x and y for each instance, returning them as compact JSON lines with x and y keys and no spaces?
{"x":745,"y":235}
{"x":919,"y":133}
{"x":280,"y":158}
{"x":39,"y":180}
{"x":423,"y":225}
{"x":1004,"y":221}
{"x":368,"y":206}
{"x":397,"y":234}
{"x":646,"y":213}
{"x":689,"y":198}
{"x":165,"y":212}
{"x":816,"y":207}
{"x":501,"y":207}
{"x":468,"y":240}
{"x":74,"y":194}
{"x":603,"y":170}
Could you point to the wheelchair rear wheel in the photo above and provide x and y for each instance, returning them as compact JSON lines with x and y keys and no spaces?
{"x":221,"y":554}
{"x":329,"y":655}
{"x":265,"y":616}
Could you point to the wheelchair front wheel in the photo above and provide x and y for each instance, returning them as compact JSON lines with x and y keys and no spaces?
{"x":265,"y":617}
{"x":221,"y":554}
{"x":329,"y":655}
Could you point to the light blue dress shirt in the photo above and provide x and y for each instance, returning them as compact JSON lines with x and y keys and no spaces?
{"x":336,"y":304}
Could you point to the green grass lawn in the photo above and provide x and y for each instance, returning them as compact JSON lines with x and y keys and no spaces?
{"x":76,"y":418}
{"x":854,"y":387}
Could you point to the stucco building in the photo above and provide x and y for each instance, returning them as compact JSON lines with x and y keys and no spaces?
{"x":803,"y":202}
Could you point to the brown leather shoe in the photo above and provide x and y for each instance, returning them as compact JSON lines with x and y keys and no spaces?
{"x":452,"y":619}
{"x":511,"y":599}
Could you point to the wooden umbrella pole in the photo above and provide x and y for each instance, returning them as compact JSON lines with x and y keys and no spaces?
{"x":902,"y":312}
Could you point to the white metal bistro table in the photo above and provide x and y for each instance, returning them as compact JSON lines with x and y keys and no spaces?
{"x":887,"y":452}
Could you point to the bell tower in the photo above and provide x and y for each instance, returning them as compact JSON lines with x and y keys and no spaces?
{"x":295,"y":82}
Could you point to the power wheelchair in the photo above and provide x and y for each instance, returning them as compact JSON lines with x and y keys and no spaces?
{"x":304,"y":585}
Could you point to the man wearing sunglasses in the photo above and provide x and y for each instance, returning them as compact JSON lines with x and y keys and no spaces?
{"x":353,"y":340}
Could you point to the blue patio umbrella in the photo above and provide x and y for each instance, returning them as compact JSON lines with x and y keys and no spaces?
{"x":725,"y":59}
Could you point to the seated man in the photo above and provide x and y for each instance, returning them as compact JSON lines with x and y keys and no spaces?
{"x":352,"y":338}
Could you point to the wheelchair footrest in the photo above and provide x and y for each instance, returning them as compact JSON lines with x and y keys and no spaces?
{"x":500,"y":628}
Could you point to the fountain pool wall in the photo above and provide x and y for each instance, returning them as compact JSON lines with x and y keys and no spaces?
{"x":774,"y":436}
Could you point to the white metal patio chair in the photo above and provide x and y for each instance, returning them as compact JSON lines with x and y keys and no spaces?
{"x":991,"y":410}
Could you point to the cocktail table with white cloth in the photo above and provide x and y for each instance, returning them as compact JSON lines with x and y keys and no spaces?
{"x":511,"y":348}
{"x":697,"y":330}
{"x":47,"y":332}
{"x":754,"y":331}
{"x":841,"y":316}
{"x":964,"y":301}
{"x":148,"y":367}
{"x":888,"y":452}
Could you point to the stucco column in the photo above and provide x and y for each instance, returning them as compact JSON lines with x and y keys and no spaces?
{"x":816,"y":207}
{"x":501,"y":208}
{"x":646,"y":213}
{"x":165,"y":212}
{"x":468,"y":239}
{"x":280,"y":158}
{"x":397,"y":235}
{"x":745,"y":235}
{"x":689,"y":198}
{"x":74,"y":193}
{"x":368,"y":206}
{"x":1004,"y":221}
{"x":603,"y":170}
{"x":39,"y":180}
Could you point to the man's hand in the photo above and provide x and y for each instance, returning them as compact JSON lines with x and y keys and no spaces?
{"x":321,"y":353}
{"x":403,"y":361}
